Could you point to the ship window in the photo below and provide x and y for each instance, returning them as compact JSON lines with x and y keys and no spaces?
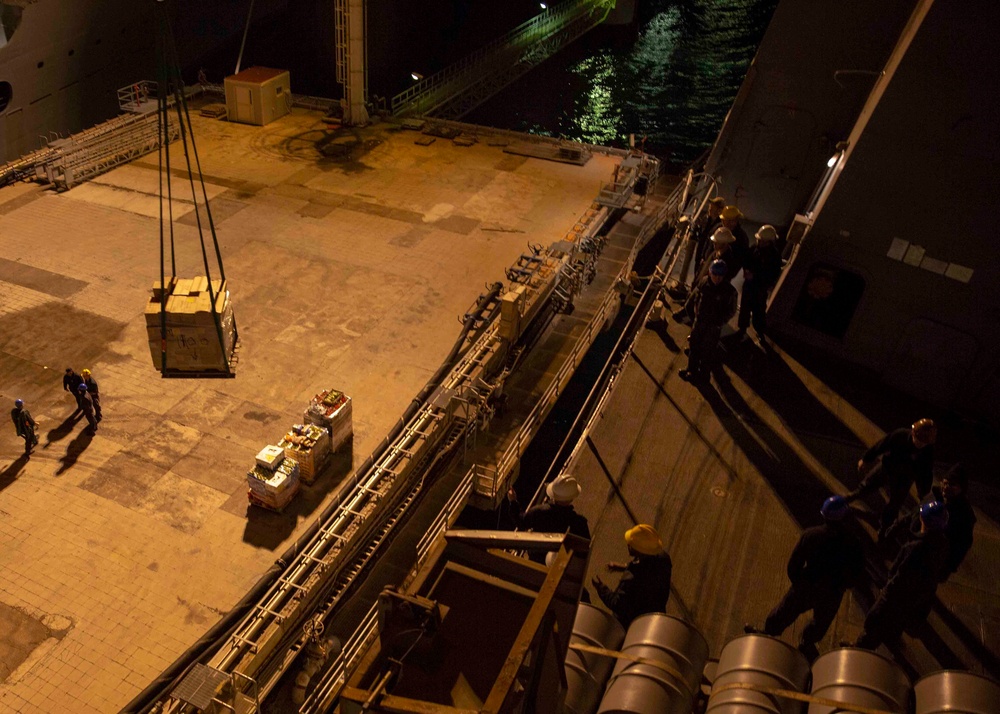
{"x":41,"y":64}
{"x":6,"y":94}
{"x":10,"y":20}
{"x":829,"y":298}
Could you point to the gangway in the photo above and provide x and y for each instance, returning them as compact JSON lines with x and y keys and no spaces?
{"x":456,"y":90}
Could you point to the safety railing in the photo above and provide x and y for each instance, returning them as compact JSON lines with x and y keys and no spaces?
{"x":524,"y":35}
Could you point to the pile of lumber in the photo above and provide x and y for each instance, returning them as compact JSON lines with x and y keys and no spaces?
{"x":192,"y":341}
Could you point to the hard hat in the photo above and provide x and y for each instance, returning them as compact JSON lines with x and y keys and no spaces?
{"x":834,"y":508}
{"x":85,"y":373}
{"x":925,"y":430}
{"x":563,"y":489}
{"x":82,"y":387}
{"x":766,"y":233}
{"x":718,"y":267}
{"x":18,"y":403}
{"x":934,"y":515}
{"x":644,"y":539}
{"x":718,"y":201}
{"x":731,"y":212}
{"x":722,"y":236}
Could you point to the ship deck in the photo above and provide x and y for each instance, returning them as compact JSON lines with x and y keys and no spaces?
{"x":350,"y":255}
{"x":731,"y":473}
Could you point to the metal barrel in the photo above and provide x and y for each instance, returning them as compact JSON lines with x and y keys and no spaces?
{"x":763,"y":661}
{"x":957,"y":693}
{"x":646,"y":688}
{"x":586,"y":674}
{"x":858,"y":677}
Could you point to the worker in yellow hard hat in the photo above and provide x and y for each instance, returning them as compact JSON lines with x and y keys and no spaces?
{"x":645,"y":585}
{"x":93,"y":391}
{"x":760,"y":273}
{"x":731,"y":217}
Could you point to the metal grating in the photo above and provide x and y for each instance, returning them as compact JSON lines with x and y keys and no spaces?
{"x":199,"y":686}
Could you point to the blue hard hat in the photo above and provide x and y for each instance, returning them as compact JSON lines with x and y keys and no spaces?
{"x":834,"y":508}
{"x":82,"y":387}
{"x":934,"y":515}
{"x":18,"y":403}
{"x":718,"y":267}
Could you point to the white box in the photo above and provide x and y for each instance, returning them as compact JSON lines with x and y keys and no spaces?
{"x":270,"y":457}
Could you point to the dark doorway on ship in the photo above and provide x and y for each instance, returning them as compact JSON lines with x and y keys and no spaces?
{"x":6,"y":94}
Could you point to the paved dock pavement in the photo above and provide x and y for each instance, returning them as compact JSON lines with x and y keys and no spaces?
{"x":348,"y":268}
{"x":730,"y":474}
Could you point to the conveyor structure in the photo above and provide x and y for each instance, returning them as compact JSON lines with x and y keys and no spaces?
{"x":262,"y":647}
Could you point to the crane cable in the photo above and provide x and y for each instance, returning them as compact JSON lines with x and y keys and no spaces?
{"x":171,"y":85}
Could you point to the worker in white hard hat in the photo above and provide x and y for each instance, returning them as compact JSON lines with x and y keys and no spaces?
{"x":556,"y":514}
{"x":723,"y":241}
{"x":760,"y":273}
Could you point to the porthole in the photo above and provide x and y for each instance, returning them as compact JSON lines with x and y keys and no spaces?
{"x":72,"y":52}
{"x":41,"y":64}
{"x":6,"y":94}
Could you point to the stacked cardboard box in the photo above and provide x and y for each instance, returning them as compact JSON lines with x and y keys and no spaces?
{"x":332,"y":410}
{"x":273,"y":486}
{"x":192,"y":337}
{"x":309,"y":445}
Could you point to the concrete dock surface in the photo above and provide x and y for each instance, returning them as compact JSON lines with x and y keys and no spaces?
{"x":350,"y":255}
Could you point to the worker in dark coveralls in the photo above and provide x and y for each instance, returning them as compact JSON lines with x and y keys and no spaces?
{"x":94,"y":391}
{"x":87,"y":405}
{"x":722,"y":249}
{"x":953,"y":493}
{"x":715,"y":305}
{"x":906,"y":599}
{"x":712,"y":220}
{"x":907,"y":458}
{"x":556,"y":514}
{"x":71,"y":384}
{"x":24,"y":425}
{"x":730,"y":217}
{"x":645,"y":584}
{"x":760,"y":273}
{"x":826,"y":561}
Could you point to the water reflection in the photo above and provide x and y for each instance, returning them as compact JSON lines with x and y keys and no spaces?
{"x":673,"y":84}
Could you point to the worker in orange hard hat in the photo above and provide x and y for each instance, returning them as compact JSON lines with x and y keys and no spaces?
{"x":645,"y":585}
{"x":903,"y":458}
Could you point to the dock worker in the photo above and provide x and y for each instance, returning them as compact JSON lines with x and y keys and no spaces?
{"x":827,"y":560}
{"x":908,"y":595}
{"x":87,"y":406}
{"x":722,"y":249}
{"x":556,"y":514}
{"x":760,"y":273}
{"x":730,"y":217}
{"x":712,"y":220}
{"x":953,"y":493}
{"x":907,"y":458}
{"x":715,"y":305}
{"x":645,"y":585}
{"x":71,"y":384}
{"x":24,"y":426}
{"x":94,"y":391}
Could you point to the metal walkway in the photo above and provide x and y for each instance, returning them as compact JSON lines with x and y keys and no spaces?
{"x":456,"y":90}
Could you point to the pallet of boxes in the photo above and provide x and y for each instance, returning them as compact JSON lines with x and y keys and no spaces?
{"x":309,"y":446}
{"x":192,"y":341}
{"x":331,"y":410}
{"x":274,"y":479}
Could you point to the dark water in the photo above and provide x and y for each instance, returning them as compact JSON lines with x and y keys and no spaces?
{"x":670,"y":77}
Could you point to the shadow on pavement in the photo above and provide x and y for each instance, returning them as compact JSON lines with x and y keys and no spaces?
{"x":9,"y":474}
{"x":790,"y":479}
{"x":269,"y":529}
{"x":63,"y":430}
{"x":74,"y":451}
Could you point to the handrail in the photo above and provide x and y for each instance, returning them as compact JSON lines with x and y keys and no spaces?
{"x":509,"y":41}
